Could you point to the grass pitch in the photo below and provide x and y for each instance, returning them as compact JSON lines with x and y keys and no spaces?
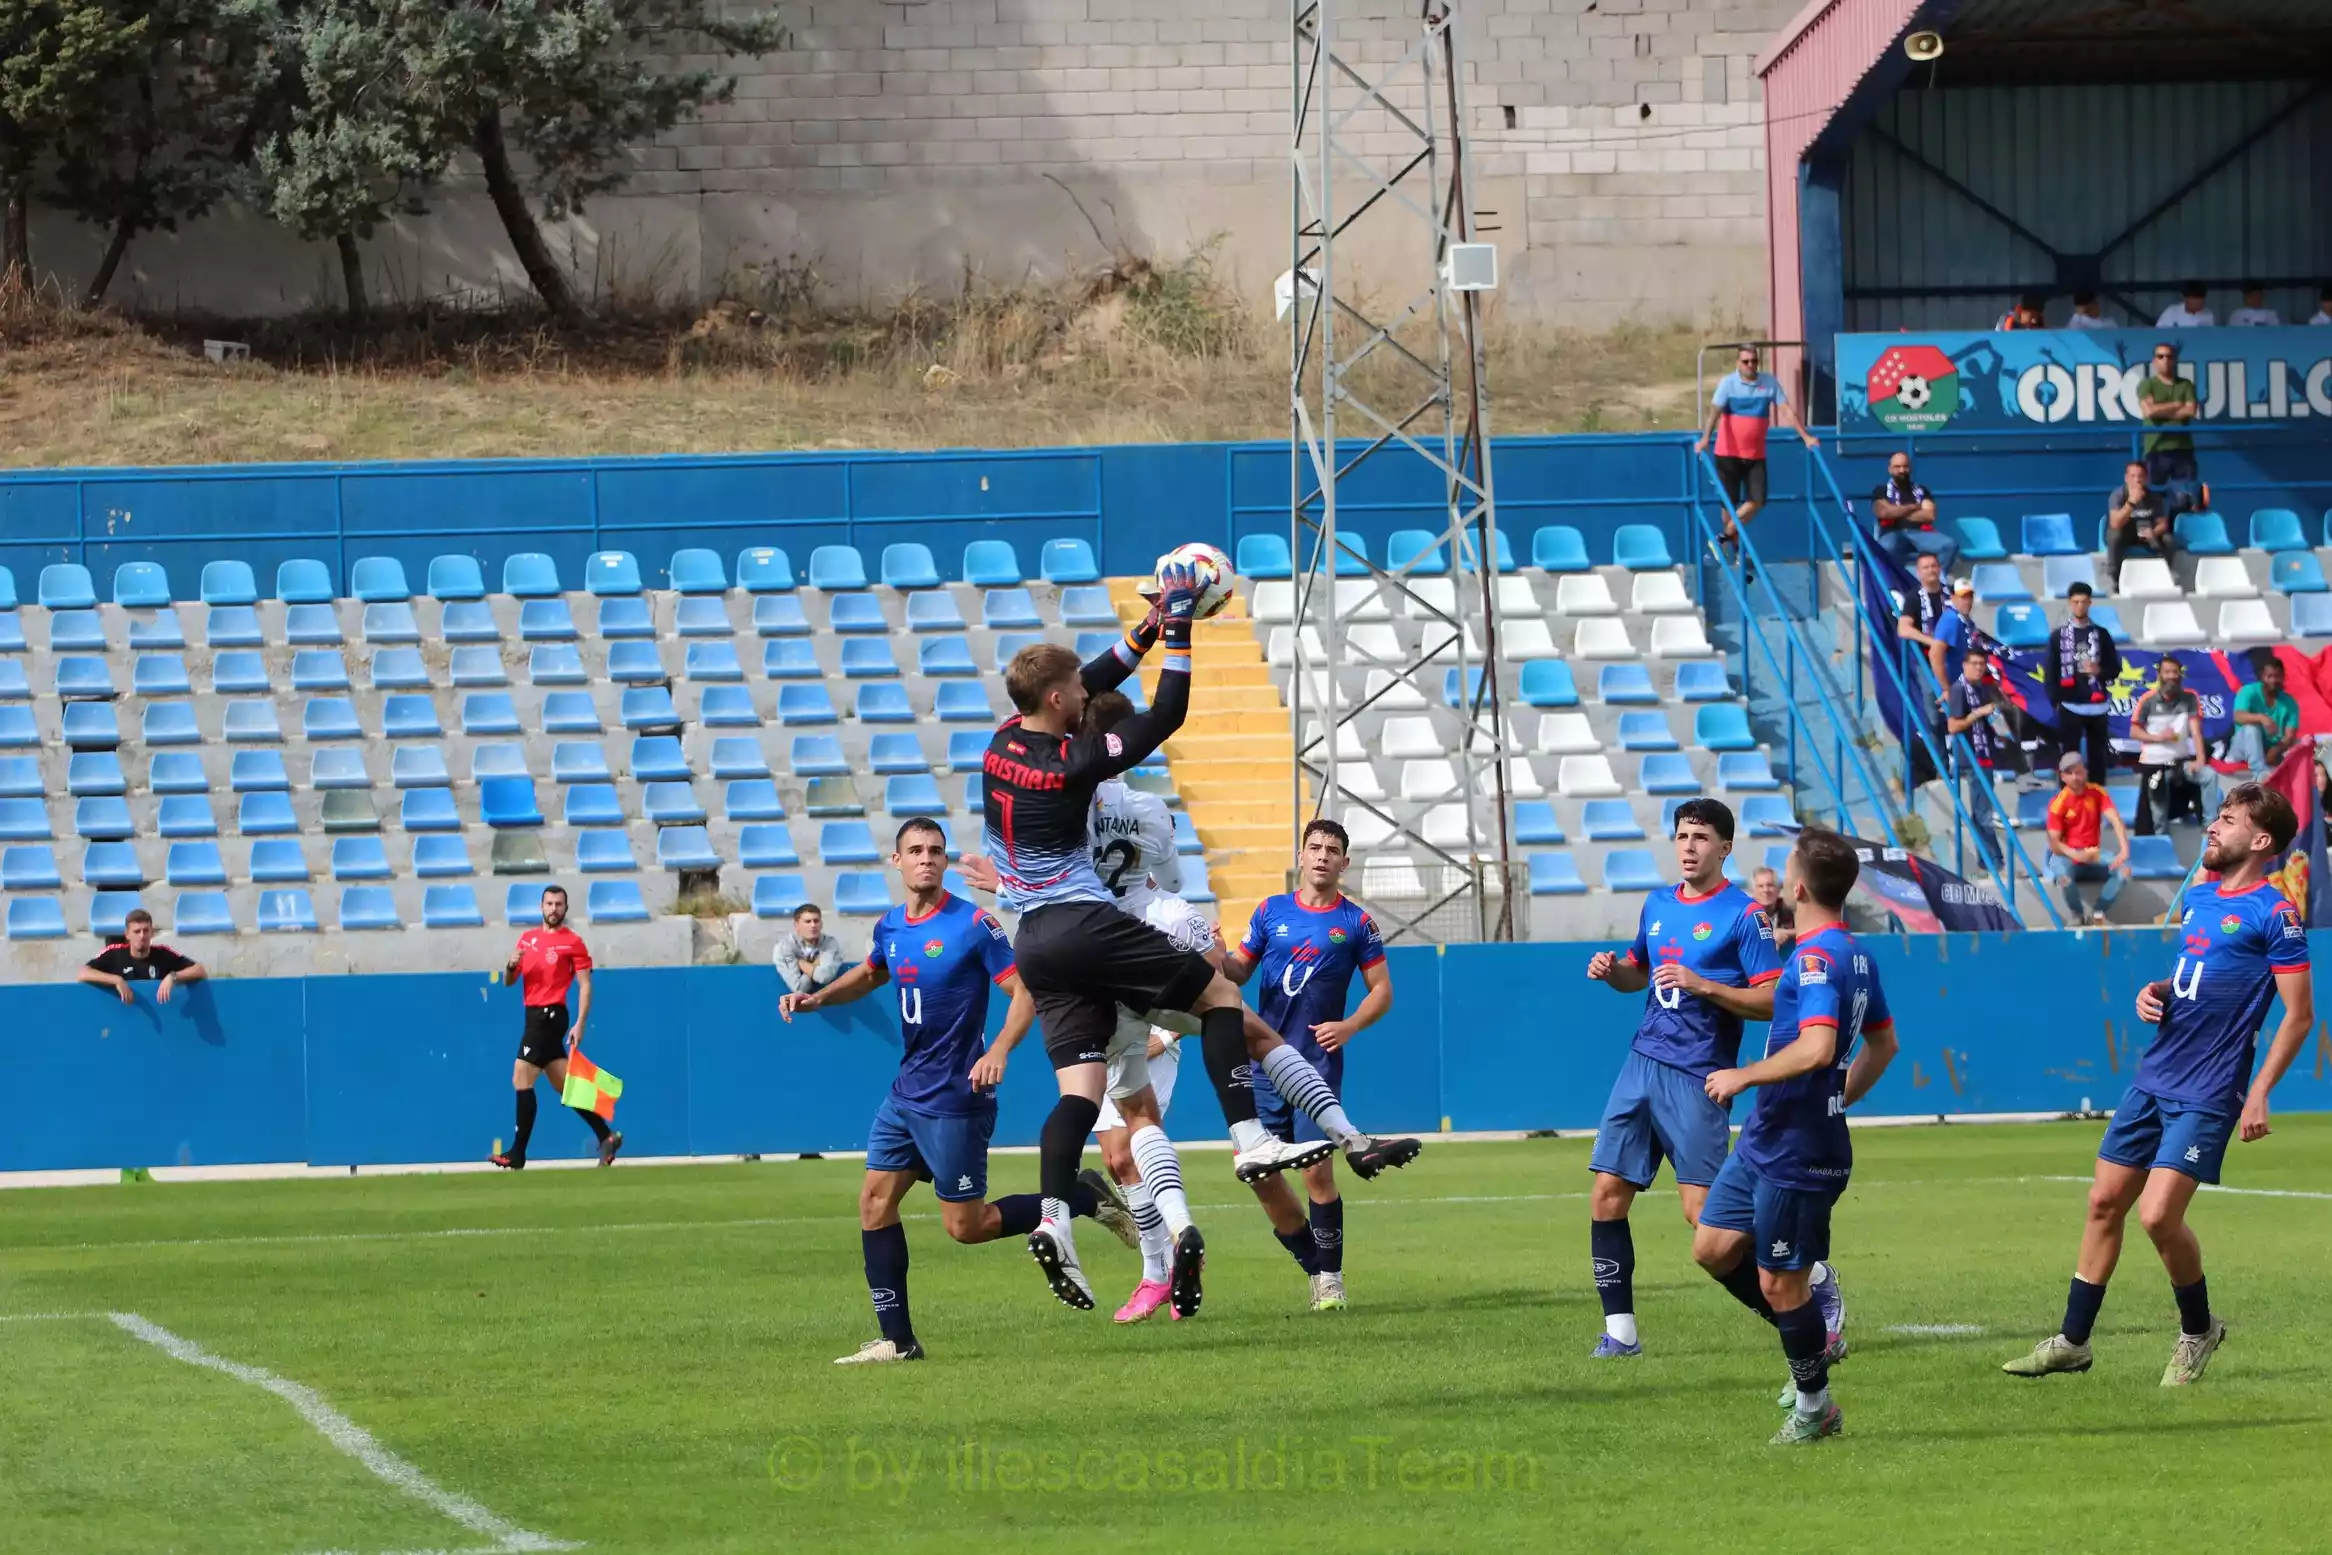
{"x":638,"y":1360}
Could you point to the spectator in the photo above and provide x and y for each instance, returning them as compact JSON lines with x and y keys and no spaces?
{"x":2082,"y":664}
{"x":2323,"y":305}
{"x":1958,"y":634}
{"x":1744,"y":405}
{"x":2087,"y":314}
{"x":1975,"y":710}
{"x":135,"y":958}
{"x":2166,"y":398}
{"x":2026,"y":314}
{"x":1922,"y":617}
{"x":807,"y":959}
{"x":2191,"y":311}
{"x":1906,"y":514}
{"x":2167,"y":724}
{"x":1765,"y":891}
{"x":2267,"y":718}
{"x":2137,"y":522}
{"x":2255,"y":313}
{"x":2077,"y":818}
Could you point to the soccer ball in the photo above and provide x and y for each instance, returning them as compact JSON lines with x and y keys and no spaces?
{"x":1913,"y":392}
{"x":1215,"y":577}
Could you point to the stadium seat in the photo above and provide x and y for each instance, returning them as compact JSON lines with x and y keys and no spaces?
{"x":625,"y":618}
{"x":752,"y":799}
{"x":186,"y":815}
{"x":2110,"y":619}
{"x":36,"y":918}
{"x":12,"y":631}
{"x":738,"y":756}
{"x":1087,"y":605}
{"x":424,"y":809}
{"x":671,"y":804}
{"x":2223,"y":577}
{"x":837,"y":569}
{"x":2247,"y":621}
{"x":30,"y":867}
{"x":1609,"y":820}
{"x":343,"y":810}
{"x":766,"y":847}
{"x":808,"y":704}
{"x":967,"y":749}
{"x":319,"y":669}
{"x":368,"y":907}
{"x":359,"y":858}
{"x":702,"y":615}
{"x":1263,"y":556}
{"x":262,"y":772}
{"x":727,"y":707}
{"x":831,"y":796}
{"x":1745,"y":772}
{"x":615,"y":901}
{"x":109,"y":911}
{"x":141,"y":586}
{"x":1585,"y":777}
{"x":439,"y":858}
{"x":277,"y":861}
{"x":686,"y":847}
{"x":14,"y":687}
{"x":790,"y":658}
{"x":2060,"y":573}
{"x":1536,"y":825}
{"x":764,"y":569}
{"x":2311,"y":616}
{"x":530,"y":575}
{"x":304,"y":581}
{"x":611,"y":574}
{"x":1549,"y":683}
{"x":856,"y":613}
{"x":66,"y":586}
{"x":907,"y":565}
{"x":1631,"y":869}
{"x":312,"y":626}
{"x":159,"y":630}
{"x":1769,"y":815}
{"x":488,"y":713}
{"x":879,"y":702}
{"x":168,"y":723}
{"x":2203,"y":534}
{"x":77,"y":631}
{"x":2146,"y":577}
{"x":1603,"y":637}
{"x":92,"y":725}
{"x":933,"y":610}
{"x":456,"y":577}
{"x":2155,"y":858}
{"x":265,"y":814}
{"x":2049,"y":534}
{"x":591,"y":804}
{"x":389,"y":624}
{"x":419,"y":766}
{"x":777,"y":896}
{"x":2171,"y":624}
{"x":1065,"y":561}
{"x":893,"y":753}
{"x":2296,"y":572}
{"x":545,"y":620}
{"x":112,"y":866}
{"x":20,"y":778}
{"x":324,"y":718}
{"x":637,"y":664}
{"x":1646,"y":732}
{"x":650,"y":707}
{"x":2023,"y":625}
{"x":1998,"y":581}
{"x":1668,"y":772}
{"x":1559,"y":548}
{"x":85,"y":677}
{"x":1009,"y":610}
{"x":231,"y":626}
{"x":860,"y":894}
{"x":2276,"y":530}
{"x":937,"y":657}
{"x":1679,"y":637}
{"x":378,"y":580}
{"x":866,"y":657}
{"x":1702,"y":681}
{"x":1979,"y":539}
{"x":604,"y":852}
{"x":1722,"y":726}
{"x":579,"y":761}
{"x":469,"y":621}
{"x":228,"y":582}
{"x":817,"y":755}
{"x":547,"y":664}
{"x":451,"y":907}
{"x":1641,"y":548}
{"x":1555,"y":874}
{"x":24,"y":820}
{"x":95,"y":772}
{"x":337,"y":767}
{"x":1586,"y":594}
{"x":1657,"y":592}
{"x":522,"y":904}
{"x":1624,"y":685}
{"x":564,"y":712}
{"x":846,"y":842}
{"x":1416,"y":552}
{"x":508,"y":802}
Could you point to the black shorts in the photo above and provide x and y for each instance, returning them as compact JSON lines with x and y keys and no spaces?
{"x":1081,"y":960}
{"x":546,"y":1035}
{"x":1744,"y":478}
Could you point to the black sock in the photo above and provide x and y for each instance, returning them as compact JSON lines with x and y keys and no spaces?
{"x":1062,"y":1146}
{"x":2194,"y":1306}
{"x":598,"y":1123}
{"x":1020,"y":1212}
{"x":1806,"y":1343}
{"x":1222,"y":1039}
{"x":1328,"y":1235}
{"x":1300,"y":1247}
{"x":2081,"y":1304}
{"x":886,"y":1281}
{"x":1741,"y":1280}
{"x":1612,"y":1243}
{"x":526,"y":1106}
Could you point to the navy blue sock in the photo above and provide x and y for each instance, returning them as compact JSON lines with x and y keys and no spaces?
{"x":1300,"y":1247}
{"x":2081,"y":1304}
{"x":1021,"y":1213}
{"x":2194,"y":1307}
{"x":1806,"y":1343}
{"x":1741,"y":1280}
{"x":1613,"y":1246}
{"x":886,"y":1281}
{"x":1328,"y":1235}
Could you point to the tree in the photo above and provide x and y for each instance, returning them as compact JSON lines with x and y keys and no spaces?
{"x":570,"y":82}
{"x":56,"y":58}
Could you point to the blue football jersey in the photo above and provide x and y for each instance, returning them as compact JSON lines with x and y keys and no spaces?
{"x":1305,"y":959}
{"x":2231,"y":947}
{"x":1726,"y":938}
{"x":1796,"y":1134}
{"x":944,"y":963}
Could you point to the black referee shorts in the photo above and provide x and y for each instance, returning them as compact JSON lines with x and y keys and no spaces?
{"x":1081,"y":960}
{"x":545,"y":1041}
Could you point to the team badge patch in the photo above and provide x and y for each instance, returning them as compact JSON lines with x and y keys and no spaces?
{"x":933,"y":947}
{"x":1702,"y":930}
{"x":2229,"y":924}
{"x":1336,"y":936}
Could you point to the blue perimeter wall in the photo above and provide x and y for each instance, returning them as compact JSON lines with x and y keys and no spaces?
{"x":1132,"y":503}
{"x":373,"y":1070}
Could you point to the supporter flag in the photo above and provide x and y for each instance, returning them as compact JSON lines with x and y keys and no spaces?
{"x":2301,"y":874}
{"x":1928,"y":898}
{"x":1886,"y":583}
{"x":589,"y":1087}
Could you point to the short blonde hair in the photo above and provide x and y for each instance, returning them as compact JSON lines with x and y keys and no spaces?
{"x":1036,"y":670}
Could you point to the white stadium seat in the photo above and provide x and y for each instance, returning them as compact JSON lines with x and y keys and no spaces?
{"x":1586,"y":777}
{"x":1348,"y":746}
{"x":1367,"y":828}
{"x":2146,"y":577}
{"x":1439,"y":593}
{"x":1404,"y":738}
{"x":1373,"y":643}
{"x":1357,"y":599}
{"x":1523,"y":638}
{"x":2247,"y":621}
{"x":1390,"y":875}
{"x":2171,"y":624}
{"x":1359,"y":779}
{"x":1584,"y":594}
{"x":1521,"y":781}
{"x":2223,"y":577}
{"x":1517,"y":598}
{"x":1679,"y":637}
{"x":1274,"y":603}
{"x":1399,"y":695}
{"x":1428,"y":779}
{"x":1444,"y":643}
{"x":1603,"y":637}
{"x":1447,"y":826}
{"x":1567,"y":734}
{"x":1281,"y":650}
{"x":1659,"y":592}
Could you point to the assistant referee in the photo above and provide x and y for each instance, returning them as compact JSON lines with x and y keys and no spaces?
{"x":545,"y":963}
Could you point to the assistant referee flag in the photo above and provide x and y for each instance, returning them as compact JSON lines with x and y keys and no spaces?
{"x":590,"y":1088}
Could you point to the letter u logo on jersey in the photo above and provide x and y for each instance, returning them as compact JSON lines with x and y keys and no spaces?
{"x":911,"y":1006}
{"x":1668,"y":998}
{"x":2183,"y":986}
{"x":1290,"y":984}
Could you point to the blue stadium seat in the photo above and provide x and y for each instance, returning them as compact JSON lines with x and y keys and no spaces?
{"x":1646,"y":732}
{"x":879,"y":702}
{"x":108,"y":912}
{"x":1087,"y":605}
{"x":2109,"y":618}
{"x":441,"y":858}
{"x":530,"y":575}
{"x":1009,"y":610}
{"x":1702,"y":680}
{"x":522,"y":904}
{"x":860,"y":613}
{"x":609,"y":574}
{"x":831,"y":796}
{"x":967,"y":749}
{"x":401,"y":669}
{"x":366,"y":907}
{"x":265,"y":815}
{"x":817,"y":755}
{"x":229,"y":582}
{"x":938,"y":657}
{"x":312,"y":626}
{"x":67,"y":586}
{"x":2155,"y":858}
{"x":913,"y":793}
{"x":727,"y":707}
{"x":579,"y":761}
{"x":906,"y":565}
{"x":1010,"y":643}
{"x":790,"y":658}
{"x":604,"y":852}
{"x":304,"y":581}
{"x":752,"y":799}
{"x":8,"y":599}
{"x":2032,"y":811}
{"x":319,"y":669}
{"x":1091,"y":645}
{"x":1609,"y":820}
{"x":934,"y":610}
{"x":428,"y":809}
{"x":714,"y":662}
{"x":650,"y":707}
{"x":24,"y":820}
{"x":1668,"y":772}
{"x":701,"y":615}
{"x":1631,"y":869}
{"x":2311,"y":616}
{"x":186,"y":815}
{"x":338,"y":767}
{"x":1722,"y":726}
{"x":20,"y":778}
{"x":451,"y":907}
{"x":79,"y":677}
{"x":687,"y":846}
{"x":469,"y":621}
{"x":29,"y":867}
{"x":1625,"y":684}
{"x":798,"y":705}
{"x":1997,"y":582}
{"x":764,"y":569}
{"x":2204,"y":534}
{"x":501,"y":758}
{"x":1641,"y":548}
{"x":2060,"y":573}
{"x":1548,"y":683}
{"x":240,"y":674}
{"x":12,"y":631}
{"x":766,"y":847}
{"x":95,"y":772}
{"x":35,"y":918}
{"x":1417,"y":550}
{"x":2050,"y":534}
{"x":837,"y":569}
{"x":737,"y":756}
{"x":774,"y":896}
{"x":77,"y":631}
{"x":972,"y":807}
{"x":694,"y":570}
{"x":1767,"y":815}
{"x":1469,"y":556}
{"x":1264,"y":556}
{"x":1350,"y":548}
{"x":378,"y":580}
{"x":991,"y":564}
{"x":1555,"y":874}
{"x":625,"y":619}
{"x":2022,"y":625}
{"x":545,"y":620}
{"x":1559,"y":548}
{"x":159,"y":630}
{"x":456,"y":578}
{"x":1745,"y":772}
{"x":260,"y":772}
{"x":92,"y":725}
{"x":277,"y":860}
{"x":1536,"y":825}
{"x":964,"y":701}
{"x":141,"y":586}
{"x":865,"y":657}
{"x":591,"y":804}
{"x":2277,"y":530}
{"x":488,"y":713}
{"x":112,"y":866}
{"x":419,"y":766}
{"x":503,"y":802}
{"x":2296,"y":572}
{"x":14,"y":687}
{"x":657,"y":758}
{"x":232,"y":626}
{"x":1067,"y":560}
{"x":636,"y":664}
{"x":890,"y":753}
{"x":359,"y":858}
{"x":1979,"y":539}
{"x":615,"y":901}
{"x":859,"y":894}
{"x":324,"y":718}
{"x":547,"y":664}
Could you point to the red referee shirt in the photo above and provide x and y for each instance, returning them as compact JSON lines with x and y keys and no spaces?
{"x":548,"y":960}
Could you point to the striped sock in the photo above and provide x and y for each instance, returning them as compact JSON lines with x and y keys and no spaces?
{"x":1161,"y":1172}
{"x":1292,"y":1075}
{"x":1153,"y":1228}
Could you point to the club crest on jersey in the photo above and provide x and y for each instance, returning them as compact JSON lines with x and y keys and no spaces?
{"x":1703,"y":930}
{"x":932,"y":947}
{"x":1336,"y":936}
{"x":1813,"y":969}
{"x":2229,"y":924}
{"x":2291,"y":923}
{"x":988,"y":921}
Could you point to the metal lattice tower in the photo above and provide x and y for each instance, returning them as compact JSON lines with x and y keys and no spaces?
{"x":1389,"y":356}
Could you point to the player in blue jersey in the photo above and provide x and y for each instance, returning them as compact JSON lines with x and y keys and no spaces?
{"x":1308,"y":944}
{"x":1766,"y":1221}
{"x":2242,"y":946}
{"x":1705,"y":952}
{"x":944,"y":954}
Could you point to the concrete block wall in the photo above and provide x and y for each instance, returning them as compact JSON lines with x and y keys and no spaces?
{"x":900,"y":140}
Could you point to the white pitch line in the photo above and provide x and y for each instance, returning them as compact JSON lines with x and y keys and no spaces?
{"x":1936,"y":1330}
{"x":2246,"y":1193}
{"x":46,"y":1317}
{"x":349,"y":1437}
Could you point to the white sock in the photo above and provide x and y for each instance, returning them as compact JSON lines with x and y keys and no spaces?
{"x":1813,"y":1403}
{"x":1621,"y":1326}
{"x":1056,"y":1221}
{"x":1153,"y":1229}
{"x":1161,"y":1172}
{"x":1250,"y":1135}
{"x":1292,"y":1075}
{"x":1820,"y":1274}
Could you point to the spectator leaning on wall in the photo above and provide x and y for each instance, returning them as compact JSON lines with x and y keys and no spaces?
{"x":2267,"y":718}
{"x":2191,"y":311}
{"x":2087,"y":314}
{"x":2166,"y":399}
{"x":807,"y":957}
{"x":135,"y":958}
{"x":2082,"y":664}
{"x":2255,"y":313}
{"x":2077,"y":818}
{"x":2167,"y":724}
{"x":1905,"y":510}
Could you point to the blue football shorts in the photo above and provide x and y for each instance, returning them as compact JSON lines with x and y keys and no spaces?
{"x":2149,"y":1131}
{"x":1788,"y":1228}
{"x":1660,"y":1112}
{"x":948,"y":1150}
